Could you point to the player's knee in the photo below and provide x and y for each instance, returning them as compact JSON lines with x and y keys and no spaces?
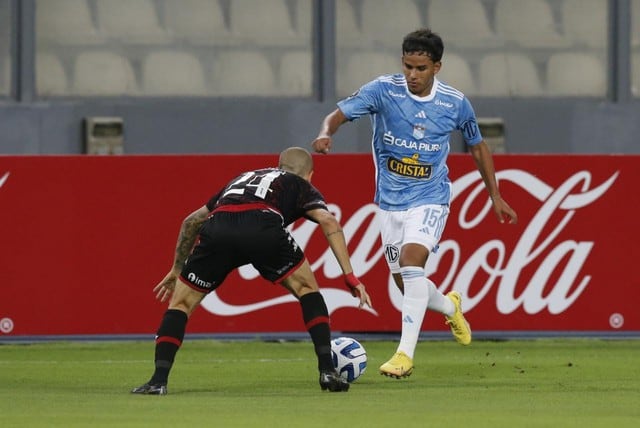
{"x":185,"y":299}
{"x":306,"y":289}
{"x":299,"y":287}
{"x":181,"y":306}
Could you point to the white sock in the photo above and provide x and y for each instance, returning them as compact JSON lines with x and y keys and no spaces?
{"x":439,"y":302}
{"x":414,"y":305}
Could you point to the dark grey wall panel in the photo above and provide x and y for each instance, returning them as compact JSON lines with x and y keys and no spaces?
{"x":267,"y":126}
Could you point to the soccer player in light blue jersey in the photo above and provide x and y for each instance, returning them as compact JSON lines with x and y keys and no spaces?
{"x":413,"y":115}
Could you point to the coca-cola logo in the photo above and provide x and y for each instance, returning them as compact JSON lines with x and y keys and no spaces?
{"x":537,"y":248}
{"x":532,"y":244}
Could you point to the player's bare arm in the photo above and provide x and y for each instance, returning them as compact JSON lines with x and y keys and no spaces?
{"x":484,"y":161}
{"x":330,"y":125}
{"x":186,"y":238}
{"x":335,"y":237}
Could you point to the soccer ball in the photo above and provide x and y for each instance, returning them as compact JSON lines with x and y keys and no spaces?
{"x":349,"y":357}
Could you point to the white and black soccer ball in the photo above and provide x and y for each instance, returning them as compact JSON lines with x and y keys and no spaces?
{"x":349,"y":357}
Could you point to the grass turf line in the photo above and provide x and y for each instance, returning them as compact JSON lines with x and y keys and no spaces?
{"x":532,"y":383}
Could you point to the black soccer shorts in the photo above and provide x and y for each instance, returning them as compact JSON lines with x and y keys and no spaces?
{"x":228,"y":240}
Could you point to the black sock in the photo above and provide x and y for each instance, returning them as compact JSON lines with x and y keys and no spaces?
{"x":316,"y":320}
{"x":168,"y":341}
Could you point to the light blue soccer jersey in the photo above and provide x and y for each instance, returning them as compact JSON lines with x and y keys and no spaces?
{"x":411,"y":138}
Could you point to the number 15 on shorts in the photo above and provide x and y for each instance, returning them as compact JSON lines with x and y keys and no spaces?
{"x":434,"y":220}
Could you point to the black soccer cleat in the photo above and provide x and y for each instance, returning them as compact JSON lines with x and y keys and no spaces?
{"x":150,"y":389}
{"x":333,"y":382}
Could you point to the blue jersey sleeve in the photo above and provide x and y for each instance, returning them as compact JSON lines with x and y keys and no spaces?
{"x":468,"y":125}
{"x":363,"y":102}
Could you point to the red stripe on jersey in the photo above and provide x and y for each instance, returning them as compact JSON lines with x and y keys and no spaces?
{"x":245,"y":207}
{"x":317,"y":320}
{"x":168,"y":339}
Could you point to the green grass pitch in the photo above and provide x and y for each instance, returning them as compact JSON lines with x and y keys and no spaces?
{"x":530,"y":383}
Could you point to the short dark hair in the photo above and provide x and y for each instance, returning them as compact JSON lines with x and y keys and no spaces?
{"x":296,"y":160}
{"x":423,"y":41}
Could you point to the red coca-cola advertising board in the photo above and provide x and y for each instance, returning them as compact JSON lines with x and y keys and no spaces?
{"x":85,"y":239}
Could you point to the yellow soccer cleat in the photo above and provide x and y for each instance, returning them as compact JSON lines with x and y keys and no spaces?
{"x":460,"y":328}
{"x":399,"y":366}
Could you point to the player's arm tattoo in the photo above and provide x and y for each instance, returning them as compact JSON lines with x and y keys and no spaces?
{"x":187,"y":237}
{"x":333,"y":232}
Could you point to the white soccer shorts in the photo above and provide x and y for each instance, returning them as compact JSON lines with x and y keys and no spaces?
{"x":420,"y":225}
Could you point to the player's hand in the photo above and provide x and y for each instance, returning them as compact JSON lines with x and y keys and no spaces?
{"x":357,"y":289}
{"x":164,"y":289}
{"x":321,"y":145}
{"x":502,"y":210}
{"x":360,"y":292}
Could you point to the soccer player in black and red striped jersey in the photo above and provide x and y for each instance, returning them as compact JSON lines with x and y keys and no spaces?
{"x":245,"y":223}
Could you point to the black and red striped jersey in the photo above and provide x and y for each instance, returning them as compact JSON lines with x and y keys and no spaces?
{"x":287,"y":193}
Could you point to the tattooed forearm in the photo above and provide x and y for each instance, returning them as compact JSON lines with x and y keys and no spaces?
{"x":186,"y":238}
{"x":333,"y":232}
